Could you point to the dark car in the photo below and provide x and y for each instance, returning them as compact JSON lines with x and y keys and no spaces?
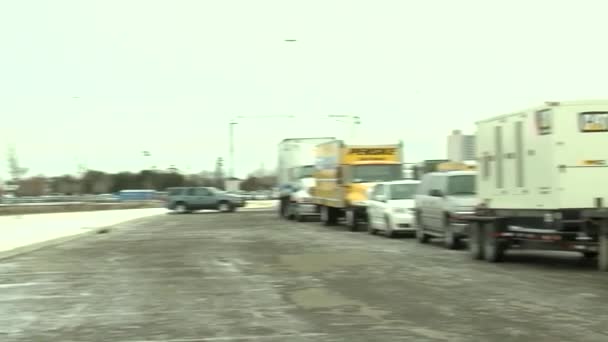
{"x":188,"y":199}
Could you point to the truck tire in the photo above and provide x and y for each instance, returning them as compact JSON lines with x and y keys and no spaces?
{"x":328,"y":216}
{"x":493,"y":249}
{"x":476,"y":241}
{"x":450,"y":239}
{"x":351,"y":219}
{"x":421,"y":236}
{"x":590,"y":255}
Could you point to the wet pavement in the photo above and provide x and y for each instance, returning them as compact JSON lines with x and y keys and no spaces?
{"x":248,"y":276}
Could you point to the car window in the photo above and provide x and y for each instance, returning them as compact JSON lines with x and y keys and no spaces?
{"x":175,"y":192}
{"x":190,"y":192}
{"x":202,"y":192}
{"x":379,"y":190}
{"x":402,"y":191}
{"x":461,"y":185}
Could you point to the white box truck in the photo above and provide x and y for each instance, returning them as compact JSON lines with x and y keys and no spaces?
{"x":295,"y":168}
{"x":541,"y":180}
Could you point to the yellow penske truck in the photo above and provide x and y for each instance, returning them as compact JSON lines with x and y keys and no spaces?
{"x":344,"y":173}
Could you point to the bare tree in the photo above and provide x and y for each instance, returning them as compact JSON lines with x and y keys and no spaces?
{"x":15,"y":170}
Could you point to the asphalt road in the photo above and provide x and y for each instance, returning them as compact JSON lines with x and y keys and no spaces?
{"x":248,"y":276}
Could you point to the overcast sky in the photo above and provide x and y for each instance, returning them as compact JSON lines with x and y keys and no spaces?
{"x":166,"y":76}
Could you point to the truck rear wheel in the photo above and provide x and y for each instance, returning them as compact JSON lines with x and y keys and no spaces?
{"x":476,"y":241}
{"x":328,"y":216}
{"x":351,"y":219}
{"x":493,"y":248}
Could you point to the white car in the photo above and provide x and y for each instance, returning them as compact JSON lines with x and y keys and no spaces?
{"x":391,"y":207}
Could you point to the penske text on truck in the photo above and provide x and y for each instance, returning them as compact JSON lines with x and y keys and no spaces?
{"x":541,"y":180}
{"x":345,"y":172}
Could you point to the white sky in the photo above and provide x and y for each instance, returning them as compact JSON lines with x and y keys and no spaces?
{"x":166,"y":76}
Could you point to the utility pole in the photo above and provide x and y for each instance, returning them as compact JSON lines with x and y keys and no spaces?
{"x":231,"y":152}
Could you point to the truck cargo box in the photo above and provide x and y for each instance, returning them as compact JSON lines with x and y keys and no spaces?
{"x":554,"y":156}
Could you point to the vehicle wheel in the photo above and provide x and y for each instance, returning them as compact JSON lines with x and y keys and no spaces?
{"x":449,"y":238}
{"x":181,"y":208}
{"x":327,"y":216}
{"x":590,"y":255}
{"x":224,"y":207}
{"x":476,"y":241}
{"x":283,"y":208}
{"x":493,"y":249}
{"x":421,"y":236}
{"x":299,"y":217}
{"x":390,"y":233}
{"x":371,"y":229}
{"x":290,"y":211}
{"x":351,"y":220}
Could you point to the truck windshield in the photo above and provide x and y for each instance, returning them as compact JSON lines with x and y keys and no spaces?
{"x":403,"y":191}
{"x":461,"y":185}
{"x":376,"y":173}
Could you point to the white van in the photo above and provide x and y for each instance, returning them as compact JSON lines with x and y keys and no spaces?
{"x":390,"y":207}
{"x":442,"y":201}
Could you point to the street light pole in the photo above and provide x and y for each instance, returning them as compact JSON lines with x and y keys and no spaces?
{"x":231,"y":152}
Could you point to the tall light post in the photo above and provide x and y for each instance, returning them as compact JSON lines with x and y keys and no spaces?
{"x":234,"y":122}
{"x":231,"y":125}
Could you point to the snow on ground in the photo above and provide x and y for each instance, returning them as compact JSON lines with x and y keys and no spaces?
{"x":23,"y":230}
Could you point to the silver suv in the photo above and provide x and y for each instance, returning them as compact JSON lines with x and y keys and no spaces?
{"x":188,"y":199}
{"x":442,"y":201}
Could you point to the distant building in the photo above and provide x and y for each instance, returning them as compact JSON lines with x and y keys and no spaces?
{"x":461,"y":147}
{"x":232,"y":184}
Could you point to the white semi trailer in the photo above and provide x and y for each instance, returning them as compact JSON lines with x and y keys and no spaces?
{"x":541,"y":182}
{"x":296,"y":165}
